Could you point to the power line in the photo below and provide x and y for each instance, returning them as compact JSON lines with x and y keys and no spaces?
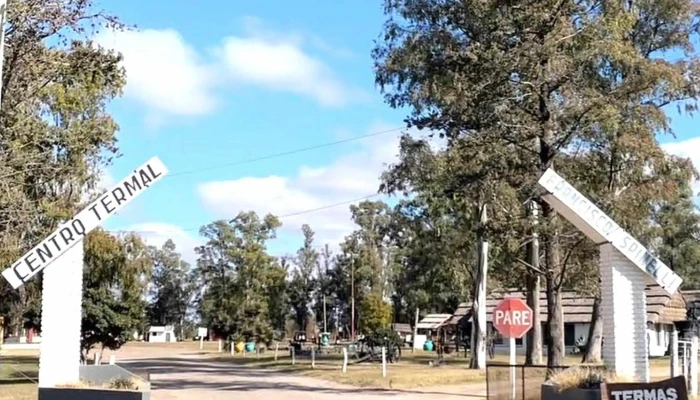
{"x":282,"y":154}
{"x":308,"y":211}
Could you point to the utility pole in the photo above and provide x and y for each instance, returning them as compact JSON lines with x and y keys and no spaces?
{"x":352,"y":298}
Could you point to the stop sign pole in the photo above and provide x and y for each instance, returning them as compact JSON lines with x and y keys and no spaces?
{"x":512,"y":318}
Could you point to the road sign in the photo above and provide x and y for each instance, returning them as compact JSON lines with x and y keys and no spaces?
{"x":70,"y":233}
{"x":512,"y":318}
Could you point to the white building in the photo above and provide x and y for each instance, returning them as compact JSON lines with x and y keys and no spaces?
{"x":162,"y":334}
{"x":663,"y":312}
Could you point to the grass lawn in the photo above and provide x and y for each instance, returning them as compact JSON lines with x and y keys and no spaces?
{"x":17,"y":371}
{"x":18,"y":368}
{"x":22,"y":391}
{"x":413,"y":371}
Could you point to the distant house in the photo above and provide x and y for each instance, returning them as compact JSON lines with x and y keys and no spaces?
{"x":402,"y":329}
{"x":162,"y":334}
{"x":428,"y":328}
{"x":663,"y":312}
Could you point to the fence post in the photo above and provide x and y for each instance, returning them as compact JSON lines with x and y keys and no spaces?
{"x":313,"y":357}
{"x":693,"y":374}
{"x":277,"y":347}
{"x":383,"y":362}
{"x":220,"y":346}
{"x":201,"y":342}
{"x":674,"y":353}
{"x":293,"y":358}
{"x":345,"y":359}
{"x":112,"y":359}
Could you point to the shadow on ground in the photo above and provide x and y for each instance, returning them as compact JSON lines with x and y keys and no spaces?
{"x":240,"y":378}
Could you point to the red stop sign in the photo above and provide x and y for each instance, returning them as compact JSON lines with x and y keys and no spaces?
{"x":512,"y":318}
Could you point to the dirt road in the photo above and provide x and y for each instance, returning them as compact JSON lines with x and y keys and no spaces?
{"x":187,"y":377}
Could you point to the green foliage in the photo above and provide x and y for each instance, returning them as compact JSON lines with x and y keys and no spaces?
{"x":516,"y":90}
{"x":113,"y":306}
{"x":375,"y":314}
{"x":56,"y":131}
{"x":171,"y":288}
{"x":303,"y":283}
{"x":240,"y":279}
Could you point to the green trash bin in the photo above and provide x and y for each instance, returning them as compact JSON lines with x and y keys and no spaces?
{"x":428,"y":345}
{"x":250,"y":347}
{"x":325,"y":338}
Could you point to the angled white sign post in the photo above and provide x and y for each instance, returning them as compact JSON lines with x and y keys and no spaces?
{"x":625,"y":267}
{"x":62,"y":251}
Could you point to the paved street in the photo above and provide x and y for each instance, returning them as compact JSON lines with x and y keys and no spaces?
{"x":193,"y":377}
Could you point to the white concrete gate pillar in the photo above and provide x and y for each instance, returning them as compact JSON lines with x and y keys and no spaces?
{"x":61,"y":300}
{"x":623,"y":308}
{"x":626,"y":267}
{"x":61,"y":317}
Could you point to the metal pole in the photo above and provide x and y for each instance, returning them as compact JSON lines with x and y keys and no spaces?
{"x":352,"y":299}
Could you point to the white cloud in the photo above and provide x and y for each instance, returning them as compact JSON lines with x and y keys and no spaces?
{"x":351,"y":176}
{"x":171,"y":78}
{"x":163,"y":72}
{"x":689,"y":148}
{"x":156,"y":234}
{"x":278,"y":62}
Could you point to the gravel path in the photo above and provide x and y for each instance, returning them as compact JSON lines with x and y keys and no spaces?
{"x":191,"y":377}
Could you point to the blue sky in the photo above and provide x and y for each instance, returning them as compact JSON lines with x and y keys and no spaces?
{"x":233,"y":81}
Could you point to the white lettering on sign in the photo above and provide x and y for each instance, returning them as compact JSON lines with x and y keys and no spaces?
{"x":513,"y":317}
{"x":606,"y":227}
{"x":85,"y":221}
{"x":645,"y":394}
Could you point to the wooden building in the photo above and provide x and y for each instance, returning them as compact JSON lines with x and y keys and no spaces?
{"x":663,"y":312}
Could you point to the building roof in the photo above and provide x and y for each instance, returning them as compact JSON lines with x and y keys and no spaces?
{"x":661,"y":307}
{"x":402,"y":328}
{"x":160,"y":329}
{"x":433,"y":321}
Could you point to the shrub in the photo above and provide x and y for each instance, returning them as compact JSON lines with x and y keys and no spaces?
{"x":123,"y":383}
{"x":584,"y":378}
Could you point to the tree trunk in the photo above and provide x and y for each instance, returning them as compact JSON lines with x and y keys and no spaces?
{"x":555,"y":315}
{"x":595,"y":335}
{"x":533,"y":353}
{"x":478,"y":312}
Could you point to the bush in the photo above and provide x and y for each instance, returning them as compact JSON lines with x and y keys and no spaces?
{"x":584,"y":378}
{"x":123,"y":383}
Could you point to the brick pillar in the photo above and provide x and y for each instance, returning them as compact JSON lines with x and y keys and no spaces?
{"x":623,"y":308}
{"x":61,"y":302}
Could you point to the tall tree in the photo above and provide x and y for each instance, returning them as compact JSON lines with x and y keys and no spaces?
{"x":535,"y":78}
{"x":239,"y":277}
{"x":170,"y":289}
{"x":112,"y":301}
{"x":56,"y":132}
{"x":325,"y":300}
{"x":303,"y":282}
